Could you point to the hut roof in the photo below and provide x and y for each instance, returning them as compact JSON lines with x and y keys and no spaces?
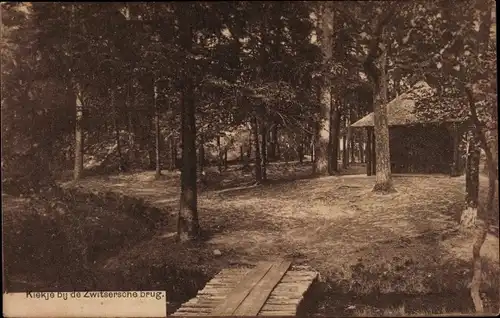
{"x":401,"y":110}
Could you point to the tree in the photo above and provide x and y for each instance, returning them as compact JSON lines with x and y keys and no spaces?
{"x":157,"y":130}
{"x":325,"y":31}
{"x":462,"y":68}
{"x":375,"y":68}
{"x":187,"y":221}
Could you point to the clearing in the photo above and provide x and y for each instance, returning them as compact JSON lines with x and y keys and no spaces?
{"x":398,"y":246}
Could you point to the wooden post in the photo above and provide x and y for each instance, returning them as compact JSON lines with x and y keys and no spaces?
{"x":352,"y":147}
{"x":361,"y":152}
{"x":368,"y":156}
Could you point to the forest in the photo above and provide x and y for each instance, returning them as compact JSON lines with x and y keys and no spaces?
{"x":180,"y":127}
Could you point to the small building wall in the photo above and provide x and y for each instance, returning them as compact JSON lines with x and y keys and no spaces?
{"x":421,"y":149}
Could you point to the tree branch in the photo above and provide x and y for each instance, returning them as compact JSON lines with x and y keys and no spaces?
{"x":373,"y":48}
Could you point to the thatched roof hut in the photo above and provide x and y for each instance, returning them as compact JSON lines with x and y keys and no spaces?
{"x":417,"y":143}
{"x":401,"y":110}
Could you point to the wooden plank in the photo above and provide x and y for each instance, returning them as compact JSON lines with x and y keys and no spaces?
{"x":284,"y":297}
{"x":301,"y":274}
{"x":284,"y":307}
{"x":221,"y":290}
{"x":212,"y":297}
{"x":230,"y":275}
{"x":199,"y":305}
{"x":289,"y":301}
{"x":277,"y":313}
{"x":259,"y":294}
{"x":222,"y":282}
{"x":203,"y":302}
{"x":270,"y":289}
{"x":239,"y":293}
{"x":195,"y":310}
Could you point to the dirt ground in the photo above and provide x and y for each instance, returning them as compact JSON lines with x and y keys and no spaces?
{"x":362,"y":243}
{"x":330,"y":223}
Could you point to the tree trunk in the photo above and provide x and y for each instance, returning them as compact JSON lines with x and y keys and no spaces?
{"x":173,"y":154}
{"x":201,"y":153}
{"x":339,"y":145}
{"x":225,"y":159}
{"x":241,"y":154}
{"x":375,"y":69}
{"x":383,"y":178}
{"x":469,"y":215}
{"x":78,"y":170}
{"x":300,"y":152}
{"x":277,"y":145}
{"x":317,"y":149}
{"x":219,"y":155}
{"x":333,"y":143}
{"x":249,"y":148}
{"x":322,"y":133}
{"x":348,"y":138}
{"x":132,"y":155}
{"x":369,"y":155}
{"x":116,"y":131}
{"x":271,"y":150}
{"x":151,"y":153}
{"x":263,"y":149}
{"x":187,"y":224}
{"x":487,"y":138}
{"x":455,"y":167}
{"x":176,"y":155}
{"x":311,"y":149}
{"x":130,"y":101}
{"x":373,"y":152}
{"x":345,"y":152}
{"x":258,"y":162}
{"x":157,"y":131}
{"x":326,"y":32}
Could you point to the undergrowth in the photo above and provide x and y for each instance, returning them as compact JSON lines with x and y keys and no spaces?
{"x":62,"y":235}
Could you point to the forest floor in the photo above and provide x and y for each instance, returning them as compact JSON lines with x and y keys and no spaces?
{"x":370,"y":249}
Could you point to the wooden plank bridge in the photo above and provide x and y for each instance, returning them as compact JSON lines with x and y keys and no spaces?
{"x":269,"y":289}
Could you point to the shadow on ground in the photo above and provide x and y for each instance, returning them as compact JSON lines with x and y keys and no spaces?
{"x":363,"y":244}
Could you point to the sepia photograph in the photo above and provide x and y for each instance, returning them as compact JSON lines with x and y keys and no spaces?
{"x":249,"y":158}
